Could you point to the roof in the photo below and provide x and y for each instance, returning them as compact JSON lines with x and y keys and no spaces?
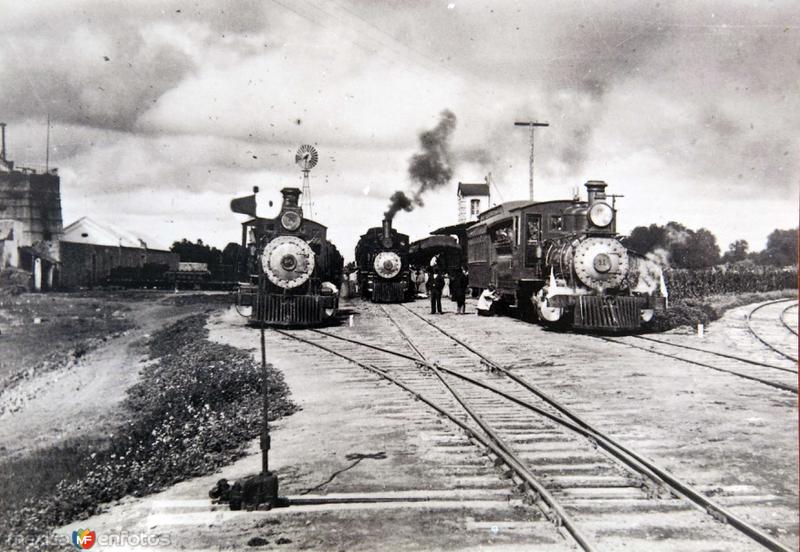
{"x":466,"y":189}
{"x":90,"y":231}
{"x":452,"y":229}
{"x":502,"y":208}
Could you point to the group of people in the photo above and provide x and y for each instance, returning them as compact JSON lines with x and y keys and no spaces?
{"x":437,"y":281}
{"x":458,"y":283}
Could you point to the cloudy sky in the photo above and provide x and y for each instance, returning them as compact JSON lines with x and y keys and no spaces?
{"x":162,"y":111}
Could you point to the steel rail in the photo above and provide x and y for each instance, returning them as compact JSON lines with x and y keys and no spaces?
{"x":783,"y":321}
{"x":557,"y":514}
{"x":596,"y":438}
{"x":761,"y":339}
{"x":717,"y":353}
{"x":776,"y":384}
{"x":569,"y":524}
{"x":712,"y":508}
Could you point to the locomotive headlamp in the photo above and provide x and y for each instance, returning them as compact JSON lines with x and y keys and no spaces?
{"x":601,"y":214}
{"x":291,"y":220}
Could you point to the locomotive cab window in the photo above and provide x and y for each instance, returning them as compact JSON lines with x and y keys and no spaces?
{"x":503,"y":236}
{"x":556,"y":223}
{"x":533,"y":238}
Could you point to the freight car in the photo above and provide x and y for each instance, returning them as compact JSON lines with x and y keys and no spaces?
{"x":294,"y":271}
{"x":563,"y":262}
{"x":383,"y":269}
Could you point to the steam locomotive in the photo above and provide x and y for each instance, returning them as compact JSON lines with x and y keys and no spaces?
{"x":294,"y":270}
{"x":563,"y":262}
{"x":384,"y":273}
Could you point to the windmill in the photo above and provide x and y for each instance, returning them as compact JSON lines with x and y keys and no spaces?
{"x":306,"y":158}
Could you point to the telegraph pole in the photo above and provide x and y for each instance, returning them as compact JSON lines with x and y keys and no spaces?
{"x":532,"y":125}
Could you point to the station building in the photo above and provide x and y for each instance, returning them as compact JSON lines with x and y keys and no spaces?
{"x":90,"y":250}
{"x":38,"y":252}
{"x":472,"y":200}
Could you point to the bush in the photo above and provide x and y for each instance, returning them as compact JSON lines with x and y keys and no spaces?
{"x":14,"y":281}
{"x":192,"y":412}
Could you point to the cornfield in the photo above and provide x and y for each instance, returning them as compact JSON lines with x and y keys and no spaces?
{"x":698,"y":283}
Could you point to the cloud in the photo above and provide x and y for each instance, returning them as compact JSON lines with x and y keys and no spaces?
{"x":200,"y":101}
{"x":104,"y":64}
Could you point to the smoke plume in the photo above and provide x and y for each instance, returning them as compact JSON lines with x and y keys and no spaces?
{"x":429,"y":169}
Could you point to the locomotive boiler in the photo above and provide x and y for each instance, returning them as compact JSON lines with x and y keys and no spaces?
{"x":384,"y":274}
{"x":563,"y":262}
{"x":294,"y":271}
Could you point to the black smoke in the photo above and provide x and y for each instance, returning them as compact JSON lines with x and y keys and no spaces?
{"x":429,"y":169}
{"x":398,"y":202}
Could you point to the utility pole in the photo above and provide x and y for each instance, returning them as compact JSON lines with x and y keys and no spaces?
{"x":47,"y":148}
{"x":532,"y":125}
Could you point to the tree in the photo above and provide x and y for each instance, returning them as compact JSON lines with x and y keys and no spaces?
{"x":644,"y":239}
{"x":781,"y":248}
{"x":737,"y":252}
{"x":690,"y":249}
{"x":197,"y":253}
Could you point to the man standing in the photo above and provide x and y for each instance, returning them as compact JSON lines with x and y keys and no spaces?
{"x":436,"y":293}
{"x":458,"y":290}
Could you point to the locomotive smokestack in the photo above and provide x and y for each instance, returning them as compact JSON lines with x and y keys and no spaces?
{"x":291,"y":198}
{"x":387,"y":228}
{"x":595,"y":189}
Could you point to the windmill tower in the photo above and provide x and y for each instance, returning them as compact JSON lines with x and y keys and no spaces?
{"x":306,"y":158}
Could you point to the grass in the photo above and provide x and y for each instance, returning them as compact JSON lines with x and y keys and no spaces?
{"x":193,"y":411}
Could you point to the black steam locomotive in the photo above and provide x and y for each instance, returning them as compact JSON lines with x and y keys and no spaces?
{"x":563,"y":261}
{"x":384,"y":274}
{"x":294,"y":270}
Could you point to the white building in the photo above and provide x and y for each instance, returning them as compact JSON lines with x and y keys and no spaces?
{"x":472,"y":199}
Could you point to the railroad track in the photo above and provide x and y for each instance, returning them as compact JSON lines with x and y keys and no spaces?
{"x":585,"y":481}
{"x":786,"y":324}
{"x":764,"y":329}
{"x":772,"y":375}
